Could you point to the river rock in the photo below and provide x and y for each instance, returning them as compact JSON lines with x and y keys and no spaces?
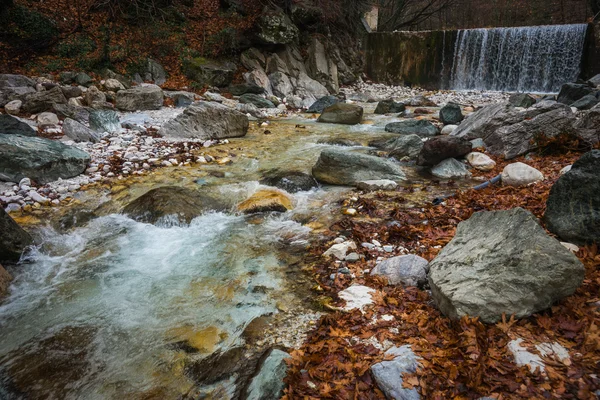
{"x":79,"y":132}
{"x":420,"y":101}
{"x":408,"y":270}
{"x":94,"y":97}
{"x":448,"y":129}
{"x":268,"y":383}
{"x":209,"y":72}
{"x":389,"y":107}
{"x":266,"y":201}
{"x":586,"y":102}
{"x":5,"y":279}
{"x":339,"y":250}
{"x":12,"y":81}
{"x":451,"y":114}
{"x":206,"y":120}
{"x":40,"y":159}
{"x":571,"y":92}
{"x":405,"y":146}
{"x":321,"y":104}
{"x":573,"y":206}
{"x":438,"y":149}
{"x":420,"y":127}
{"x":374,"y":185}
{"x":43,"y":101}
{"x":258,"y":77}
{"x":47,"y":119}
{"x":389,"y":374}
{"x":258,"y":101}
{"x":243,"y":88}
{"x":342,"y":113}
{"x":13,"y":239}
{"x":480,"y":161}
{"x":275,"y":27}
{"x":10,"y":125}
{"x":112,"y":85}
{"x":104,"y":121}
{"x":511,"y":132}
{"x":337,"y":167}
{"x":450,"y":168}
{"x":290,"y":181}
{"x":147,"y":97}
{"x":502,"y":262}
{"x":13,"y":107}
{"x":521,"y":100}
{"x":71,"y":91}
{"x":155,"y":72}
{"x":520,"y":174}
{"x":171,"y":201}
{"x":77,"y":113}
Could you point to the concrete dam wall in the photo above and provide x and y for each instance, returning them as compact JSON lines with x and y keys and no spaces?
{"x":532,"y":59}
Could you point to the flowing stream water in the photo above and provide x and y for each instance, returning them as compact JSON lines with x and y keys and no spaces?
{"x":526,"y":59}
{"x":115,"y":309}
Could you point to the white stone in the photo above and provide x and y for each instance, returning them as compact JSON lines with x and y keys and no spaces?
{"x":571,"y":247}
{"x":356,"y":296}
{"x":448,"y":129}
{"x":520,"y":174}
{"x":378,"y":184}
{"x":47,"y":119}
{"x":38,"y":198}
{"x":13,"y":107}
{"x":522,"y":356}
{"x":565,"y":169}
{"x":340,"y":250}
{"x":113,"y":85}
{"x":24,"y":182}
{"x":480,"y":161}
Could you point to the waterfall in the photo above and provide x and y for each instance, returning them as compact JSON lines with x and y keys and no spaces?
{"x":526,"y":59}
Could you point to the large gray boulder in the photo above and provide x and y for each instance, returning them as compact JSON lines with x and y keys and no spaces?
{"x":389,"y":106}
{"x":342,"y":113}
{"x":321,"y":104}
{"x":12,"y":81}
{"x":450,"y":168}
{"x":206,"y":120}
{"x":275,"y":27}
{"x":15,"y":87}
{"x":420,"y":127}
{"x":408,"y":270}
{"x":171,"y":201}
{"x":588,"y":126}
{"x":337,"y":167}
{"x":511,"y":132}
{"x":281,"y":84}
{"x":321,"y":67}
{"x":13,"y":239}
{"x":14,"y":126}
{"x":79,"y":132}
{"x":43,"y":101}
{"x":451,"y":114}
{"x":389,"y":374}
{"x":290,"y":181}
{"x":306,"y":91}
{"x":40,"y":159}
{"x":502,"y":262}
{"x":147,"y":97}
{"x":405,"y":146}
{"x":521,"y":100}
{"x":258,"y":101}
{"x":571,"y":92}
{"x":268,"y":383}
{"x":573,"y":206}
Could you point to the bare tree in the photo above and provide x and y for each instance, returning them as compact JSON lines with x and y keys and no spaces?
{"x":406,"y":14}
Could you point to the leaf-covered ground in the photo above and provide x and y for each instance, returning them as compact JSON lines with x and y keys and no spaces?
{"x":464,"y":359}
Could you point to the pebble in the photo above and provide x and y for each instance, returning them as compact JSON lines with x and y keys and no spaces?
{"x":352,"y":257}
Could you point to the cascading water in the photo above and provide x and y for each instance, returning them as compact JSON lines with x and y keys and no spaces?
{"x":527,"y":59}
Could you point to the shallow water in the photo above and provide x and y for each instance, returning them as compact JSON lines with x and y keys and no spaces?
{"x":116,"y":309}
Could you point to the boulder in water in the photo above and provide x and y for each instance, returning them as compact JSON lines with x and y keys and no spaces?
{"x":408,"y":270}
{"x":321,"y":104}
{"x":337,"y":167}
{"x":266,"y":201}
{"x":520,"y":174}
{"x":571,"y":92}
{"x":573,"y":206}
{"x":451,"y":114}
{"x":10,"y":125}
{"x":405,"y":146}
{"x":39,"y":159}
{"x":258,"y":101}
{"x":342,"y":113}
{"x":522,"y":100}
{"x":389,"y":107}
{"x":206,"y":120}
{"x":13,"y":239}
{"x":438,"y":149}
{"x":268,"y":383}
{"x":290,"y":181}
{"x":147,"y":97}
{"x":420,"y":127}
{"x":171,"y":201}
{"x":450,"y":168}
{"x":502,"y":262}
